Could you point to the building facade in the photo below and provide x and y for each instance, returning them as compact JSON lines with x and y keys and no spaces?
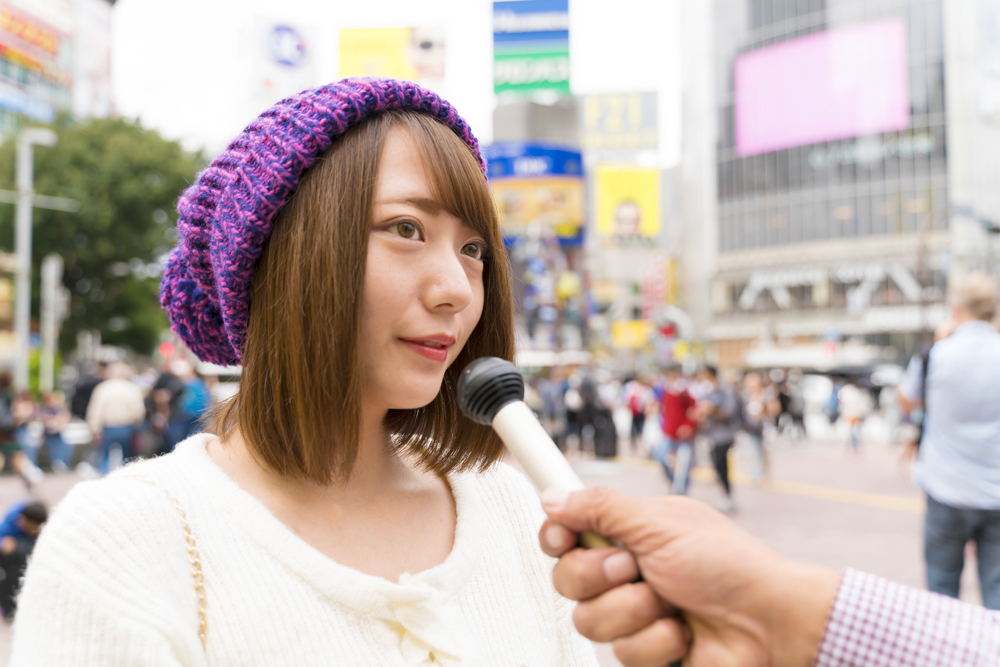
{"x":55,"y":57}
{"x":844,"y":196}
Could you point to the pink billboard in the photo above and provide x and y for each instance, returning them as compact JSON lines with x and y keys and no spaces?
{"x":831,"y":85}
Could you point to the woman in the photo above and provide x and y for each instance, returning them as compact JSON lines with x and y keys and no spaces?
{"x":345,"y":250}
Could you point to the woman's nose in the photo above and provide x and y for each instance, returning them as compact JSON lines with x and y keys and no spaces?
{"x":447,"y":284}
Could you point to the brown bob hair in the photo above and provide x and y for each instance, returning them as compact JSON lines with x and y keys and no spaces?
{"x":298,"y":408}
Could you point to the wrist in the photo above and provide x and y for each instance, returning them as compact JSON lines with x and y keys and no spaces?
{"x":800,"y":605}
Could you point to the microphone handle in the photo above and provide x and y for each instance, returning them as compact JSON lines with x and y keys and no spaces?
{"x":525,"y":438}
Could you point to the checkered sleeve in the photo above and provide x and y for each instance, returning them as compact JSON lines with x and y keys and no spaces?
{"x":878,"y":623}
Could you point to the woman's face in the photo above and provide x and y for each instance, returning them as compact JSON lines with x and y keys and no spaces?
{"x":423,"y":291}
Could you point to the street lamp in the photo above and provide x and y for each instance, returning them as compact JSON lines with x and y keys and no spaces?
{"x":35,"y":136}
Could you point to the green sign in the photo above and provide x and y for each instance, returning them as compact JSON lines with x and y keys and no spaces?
{"x":530,"y":70}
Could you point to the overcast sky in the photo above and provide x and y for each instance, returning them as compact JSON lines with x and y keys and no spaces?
{"x":185,"y":67}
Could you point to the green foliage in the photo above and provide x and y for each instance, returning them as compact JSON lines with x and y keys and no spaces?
{"x":127,"y":180}
{"x":35,"y":370}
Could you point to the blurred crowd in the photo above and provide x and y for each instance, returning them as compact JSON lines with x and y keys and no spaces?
{"x":113,"y":414}
{"x":683,"y":414}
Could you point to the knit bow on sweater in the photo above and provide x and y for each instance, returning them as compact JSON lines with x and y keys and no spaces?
{"x":425,"y":633}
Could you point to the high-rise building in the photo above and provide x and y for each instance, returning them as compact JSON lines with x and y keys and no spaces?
{"x":856,"y":154}
{"x":55,"y":57}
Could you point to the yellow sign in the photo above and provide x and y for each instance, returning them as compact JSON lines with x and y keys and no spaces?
{"x":618,"y":121}
{"x":631,"y":334}
{"x":415,"y":54}
{"x":556,"y":203}
{"x":628,"y":201}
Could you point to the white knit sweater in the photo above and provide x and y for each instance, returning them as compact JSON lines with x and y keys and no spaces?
{"x":110,"y":582}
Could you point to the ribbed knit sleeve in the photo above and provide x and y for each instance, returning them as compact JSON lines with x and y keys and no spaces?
{"x":89,"y":590}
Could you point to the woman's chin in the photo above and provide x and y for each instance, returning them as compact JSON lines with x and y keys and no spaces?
{"x":413,"y":397}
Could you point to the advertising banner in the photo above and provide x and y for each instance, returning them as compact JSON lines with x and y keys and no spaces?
{"x":414,"y":54}
{"x":537,"y":184}
{"x":42,"y":57}
{"x":830,"y":85}
{"x":628,"y":202}
{"x":555,"y":203}
{"x":531,"y":46}
{"x":624,"y":121}
{"x":284,"y":61}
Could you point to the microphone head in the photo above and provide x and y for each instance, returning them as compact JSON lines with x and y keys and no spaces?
{"x":486,"y":385}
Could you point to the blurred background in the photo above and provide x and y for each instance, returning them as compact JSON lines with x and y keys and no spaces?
{"x":782,"y":189}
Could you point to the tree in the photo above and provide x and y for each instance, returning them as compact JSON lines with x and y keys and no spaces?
{"x":127,"y":179}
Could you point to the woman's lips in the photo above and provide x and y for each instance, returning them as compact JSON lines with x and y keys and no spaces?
{"x":428,"y":350}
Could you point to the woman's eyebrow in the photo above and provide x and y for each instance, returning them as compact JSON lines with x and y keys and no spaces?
{"x":431,"y":206}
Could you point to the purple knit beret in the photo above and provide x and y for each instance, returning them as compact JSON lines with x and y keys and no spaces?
{"x":226,"y":216}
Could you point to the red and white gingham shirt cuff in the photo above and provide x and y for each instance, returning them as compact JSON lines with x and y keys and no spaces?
{"x":878,"y":623}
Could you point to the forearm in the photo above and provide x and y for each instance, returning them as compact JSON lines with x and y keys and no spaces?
{"x":905,"y":403}
{"x":876,"y":622}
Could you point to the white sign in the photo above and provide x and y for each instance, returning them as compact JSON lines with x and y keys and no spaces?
{"x":284,"y":62}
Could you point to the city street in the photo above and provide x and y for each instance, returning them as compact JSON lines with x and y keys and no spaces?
{"x":821,"y":504}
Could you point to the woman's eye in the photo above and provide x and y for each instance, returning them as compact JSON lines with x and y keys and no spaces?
{"x":474,"y":250}
{"x":407,"y":230}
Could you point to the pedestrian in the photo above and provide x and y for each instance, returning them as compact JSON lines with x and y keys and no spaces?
{"x":636,"y":396}
{"x":54,"y":416}
{"x":114,"y":414}
{"x":959,"y":461}
{"x":855,"y":407}
{"x":554,"y":410}
{"x":192,"y":404}
{"x":677,"y":411}
{"x":711,"y":594}
{"x":85,"y":388}
{"x":760,"y":407}
{"x":161,"y":405}
{"x":719,"y":418}
{"x":18,"y":533}
{"x":27,"y":427}
{"x":11,"y":449}
{"x":346,"y":251}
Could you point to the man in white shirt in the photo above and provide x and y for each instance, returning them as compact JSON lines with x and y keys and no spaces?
{"x":115,"y":412}
{"x":959,"y":464}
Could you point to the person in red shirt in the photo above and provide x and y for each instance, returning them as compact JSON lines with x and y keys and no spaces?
{"x":676,"y":451}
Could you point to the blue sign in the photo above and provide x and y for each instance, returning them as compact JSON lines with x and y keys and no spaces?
{"x":530,"y":21}
{"x":18,"y":101}
{"x":526,"y":160}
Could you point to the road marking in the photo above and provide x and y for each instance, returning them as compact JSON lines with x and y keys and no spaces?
{"x":877,"y":500}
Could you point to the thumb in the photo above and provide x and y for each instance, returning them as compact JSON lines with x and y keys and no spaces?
{"x":603,"y":510}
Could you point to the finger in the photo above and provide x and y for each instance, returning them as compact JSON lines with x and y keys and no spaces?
{"x":556,"y":539}
{"x":620,"y":612}
{"x":584,"y":573}
{"x":659,"y":643}
{"x":605,"y":511}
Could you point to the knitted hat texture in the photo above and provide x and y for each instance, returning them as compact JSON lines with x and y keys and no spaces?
{"x":226,"y":216}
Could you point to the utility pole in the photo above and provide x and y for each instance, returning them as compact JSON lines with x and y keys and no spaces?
{"x":54,"y":302}
{"x":25,"y":201}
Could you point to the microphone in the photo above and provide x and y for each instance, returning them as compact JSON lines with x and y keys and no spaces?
{"x":491,"y":392}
